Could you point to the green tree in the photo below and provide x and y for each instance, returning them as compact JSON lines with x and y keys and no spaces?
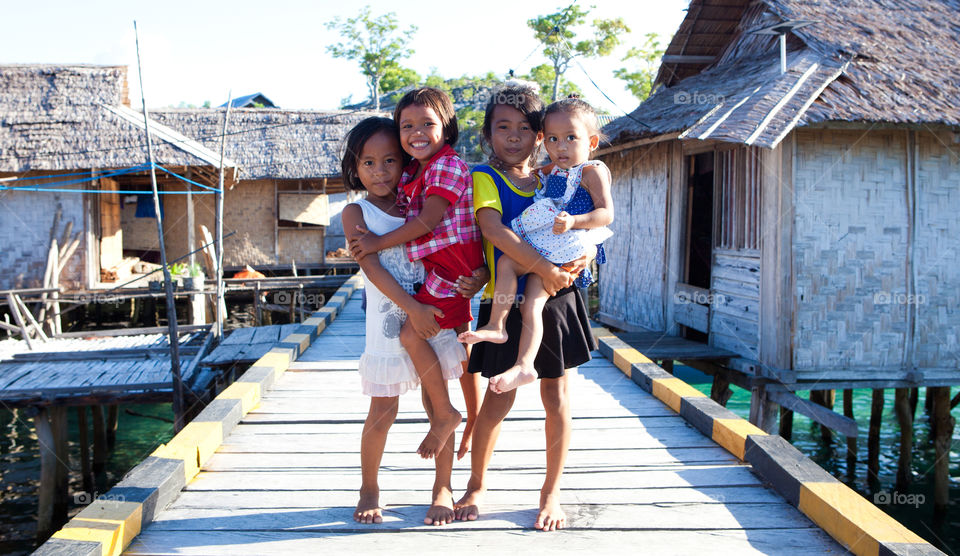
{"x":640,"y":81}
{"x":557,"y":32}
{"x":543,"y":75}
{"x":373,"y":42}
{"x":397,"y":77}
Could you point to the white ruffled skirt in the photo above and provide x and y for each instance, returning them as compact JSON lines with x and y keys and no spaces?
{"x":390,"y":373}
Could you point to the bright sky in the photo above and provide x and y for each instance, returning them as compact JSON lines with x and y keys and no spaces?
{"x":199,"y":50}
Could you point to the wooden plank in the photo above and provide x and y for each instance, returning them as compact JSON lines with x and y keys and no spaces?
{"x":239,"y":336}
{"x":308,"y":499}
{"x":497,"y":518}
{"x":266,"y":334}
{"x":783,"y":541}
{"x":655,"y":477}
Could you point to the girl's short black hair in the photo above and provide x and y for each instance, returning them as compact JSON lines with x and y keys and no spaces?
{"x":522,"y":97}
{"x":353,"y":146}
{"x":439,"y":102}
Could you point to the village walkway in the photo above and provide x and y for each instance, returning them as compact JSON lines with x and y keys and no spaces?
{"x":638,"y":477}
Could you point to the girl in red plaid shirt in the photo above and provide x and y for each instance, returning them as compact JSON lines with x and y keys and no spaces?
{"x":441,"y":230}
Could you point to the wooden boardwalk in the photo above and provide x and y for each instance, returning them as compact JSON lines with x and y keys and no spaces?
{"x":638,"y":476}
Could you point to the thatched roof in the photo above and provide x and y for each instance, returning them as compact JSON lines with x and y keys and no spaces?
{"x":894,"y":61}
{"x":78,"y":117}
{"x":270,"y":142}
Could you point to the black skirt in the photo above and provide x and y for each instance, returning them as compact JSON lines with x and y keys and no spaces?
{"x":567,"y":339}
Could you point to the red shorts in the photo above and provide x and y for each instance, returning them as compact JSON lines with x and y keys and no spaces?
{"x":448,"y":265}
{"x":456,"y":310}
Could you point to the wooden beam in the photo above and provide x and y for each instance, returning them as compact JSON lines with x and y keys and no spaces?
{"x":818,"y":413}
{"x":686,"y":59}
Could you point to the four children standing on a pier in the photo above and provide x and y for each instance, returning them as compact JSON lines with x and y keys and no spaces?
{"x":421,"y":219}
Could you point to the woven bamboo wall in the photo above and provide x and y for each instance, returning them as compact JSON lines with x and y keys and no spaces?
{"x":632,"y":282}
{"x":25,"y":221}
{"x":938,"y":247}
{"x":250,"y":209}
{"x":305,"y":246}
{"x":850,"y":248}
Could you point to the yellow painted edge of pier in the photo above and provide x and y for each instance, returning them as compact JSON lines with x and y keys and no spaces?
{"x":852,"y":519}
{"x":302,"y":341}
{"x":115,"y":524}
{"x":247,"y":392}
{"x":833,"y":506}
{"x":671,"y":391}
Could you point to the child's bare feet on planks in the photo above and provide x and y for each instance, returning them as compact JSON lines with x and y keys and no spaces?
{"x":440,"y":430}
{"x":512,"y":378}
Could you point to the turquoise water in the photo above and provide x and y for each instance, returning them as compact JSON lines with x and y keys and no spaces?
{"x":137,"y":437}
{"x":944,"y":532}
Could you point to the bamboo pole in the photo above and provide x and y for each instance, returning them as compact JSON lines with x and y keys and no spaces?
{"x":99,"y":439}
{"x":113,"y":417}
{"x":219,"y":223}
{"x":172,"y":335}
{"x":786,"y":423}
{"x":48,"y":472}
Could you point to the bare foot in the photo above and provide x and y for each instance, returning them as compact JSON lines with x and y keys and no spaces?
{"x":551,"y":515}
{"x":466,"y":439}
{"x":467,"y":508}
{"x":441,"y":509}
{"x":515,"y":376}
{"x":368,"y":508}
{"x":440,"y":430}
{"x":483,"y":334}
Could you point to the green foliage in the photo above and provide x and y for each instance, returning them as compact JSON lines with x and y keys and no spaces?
{"x":397,"y":77}
{"x":176,"y":269}
{"x":543,"y":75}
{"x":557,"y":32}
{"x":194,"y":270}
{"x":375,"y":44}
{"x":640,"y":80}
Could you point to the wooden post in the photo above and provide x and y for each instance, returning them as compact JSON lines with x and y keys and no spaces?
{"x":901,"y":405}
{"x":942,"y":441}
{"x":86,"y":472}
{"x":914,"y":399}
{"x":99,"y":440}
{"x":48,"y":473}
{"x":257,"y":311}
{"x":667,"y":365}
{"x":113,"y":417}
{"x":873,"y":439}
{"x":58,"y":422}
{"x":825,"y":398}
{"x":762,"y":411}
{"x":720,"y":389}
{"x":786,"y":423}
{"x":172,"y":335}
{"x":851,"y":442}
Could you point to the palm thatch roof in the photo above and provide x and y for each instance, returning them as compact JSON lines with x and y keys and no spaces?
{"x":895,"y":61}
{"x":78,"y":117}
{"x":270,"y":142}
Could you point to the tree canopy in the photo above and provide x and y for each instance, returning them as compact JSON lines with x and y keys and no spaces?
{"x":558,"y":34}
{"x":640,"y":80}
{"x":377,"y":46}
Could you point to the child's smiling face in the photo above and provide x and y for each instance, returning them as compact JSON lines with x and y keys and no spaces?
{"x":511,"y":135}
{"x":380,"y":165}
{"x":568,"y":140}
{"x":421,"y":132}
